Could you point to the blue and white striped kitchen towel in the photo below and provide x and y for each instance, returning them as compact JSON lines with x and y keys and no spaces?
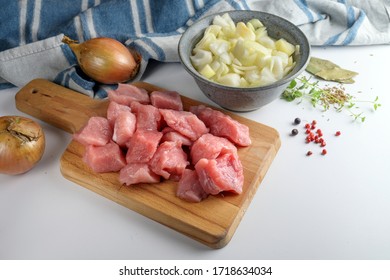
{"x":31,"y":30}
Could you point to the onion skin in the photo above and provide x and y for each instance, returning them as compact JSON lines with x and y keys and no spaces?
{"x":105,"y":60}
{"x":22,"y":144}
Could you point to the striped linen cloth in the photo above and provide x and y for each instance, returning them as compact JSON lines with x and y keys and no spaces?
{"x":31,"y":30}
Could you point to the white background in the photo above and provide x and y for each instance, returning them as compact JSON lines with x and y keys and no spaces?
{"x":320,"y":207}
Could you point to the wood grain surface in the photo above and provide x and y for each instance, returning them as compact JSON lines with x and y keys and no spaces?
{"x":211,"y":222}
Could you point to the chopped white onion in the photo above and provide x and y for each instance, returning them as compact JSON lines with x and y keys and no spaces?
{"x":242,"y":54}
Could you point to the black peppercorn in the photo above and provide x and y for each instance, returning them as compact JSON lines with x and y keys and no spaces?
{"x":297,"y":121}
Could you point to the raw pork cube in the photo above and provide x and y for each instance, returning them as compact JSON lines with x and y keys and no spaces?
{"x":166,"y":100}
{"x":169,"y":160}
{"x":114,"y":109}
{"x":172,"y":135}
{"x":223,"y":125}
{"x":189,"y":187}
{"x":124,"y":128}
{"x":96,"y":132}
{"x":135,"y":173}
{"x":187,"y":123}
{"x":142,"y":146}
{"x":224,"y":173}
{"x":148,"y":116}
{"x":125,"y":94}
{"x":210,"y":147}
{"x":107,"y":158}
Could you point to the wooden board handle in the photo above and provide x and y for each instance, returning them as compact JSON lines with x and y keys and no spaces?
{"x":58,"y":106}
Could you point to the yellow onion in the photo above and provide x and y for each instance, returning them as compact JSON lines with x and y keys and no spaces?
{"x":105,"y":60}
{"x":22,"y":144}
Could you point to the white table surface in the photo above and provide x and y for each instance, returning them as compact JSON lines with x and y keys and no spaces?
{"x":335,"y":206}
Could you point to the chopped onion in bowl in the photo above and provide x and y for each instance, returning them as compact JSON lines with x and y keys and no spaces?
{"x":242,"y":54}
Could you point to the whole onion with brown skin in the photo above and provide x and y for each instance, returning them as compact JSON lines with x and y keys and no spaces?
{"x":105,"y":60}
{"x":22,"y":144}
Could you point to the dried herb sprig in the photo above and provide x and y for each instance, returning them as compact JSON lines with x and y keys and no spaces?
{"x":326,"y":97}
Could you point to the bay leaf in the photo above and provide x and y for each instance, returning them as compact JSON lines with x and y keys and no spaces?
{"x":317,"y":64}
{"x":329,"y":71}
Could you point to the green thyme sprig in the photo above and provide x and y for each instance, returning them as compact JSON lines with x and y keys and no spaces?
{"x":326,"y":97}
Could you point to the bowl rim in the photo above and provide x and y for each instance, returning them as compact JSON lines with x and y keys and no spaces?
{"x":286,"y":79}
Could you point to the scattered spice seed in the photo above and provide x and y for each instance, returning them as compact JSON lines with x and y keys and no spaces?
{"x":338,"y":133}
{"x":309,"y":153}
{"x":324,"y":152}
{"x":297,"y":121}
{"x":307,"y":126}
{"x":294,"y":132}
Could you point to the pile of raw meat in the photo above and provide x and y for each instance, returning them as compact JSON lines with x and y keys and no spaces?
{"x":149,"y":137}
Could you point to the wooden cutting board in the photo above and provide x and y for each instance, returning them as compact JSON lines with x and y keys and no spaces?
{"x":212,"y":221}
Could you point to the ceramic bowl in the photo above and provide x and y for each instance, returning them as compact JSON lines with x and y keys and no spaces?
{"x":252,"y":98}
